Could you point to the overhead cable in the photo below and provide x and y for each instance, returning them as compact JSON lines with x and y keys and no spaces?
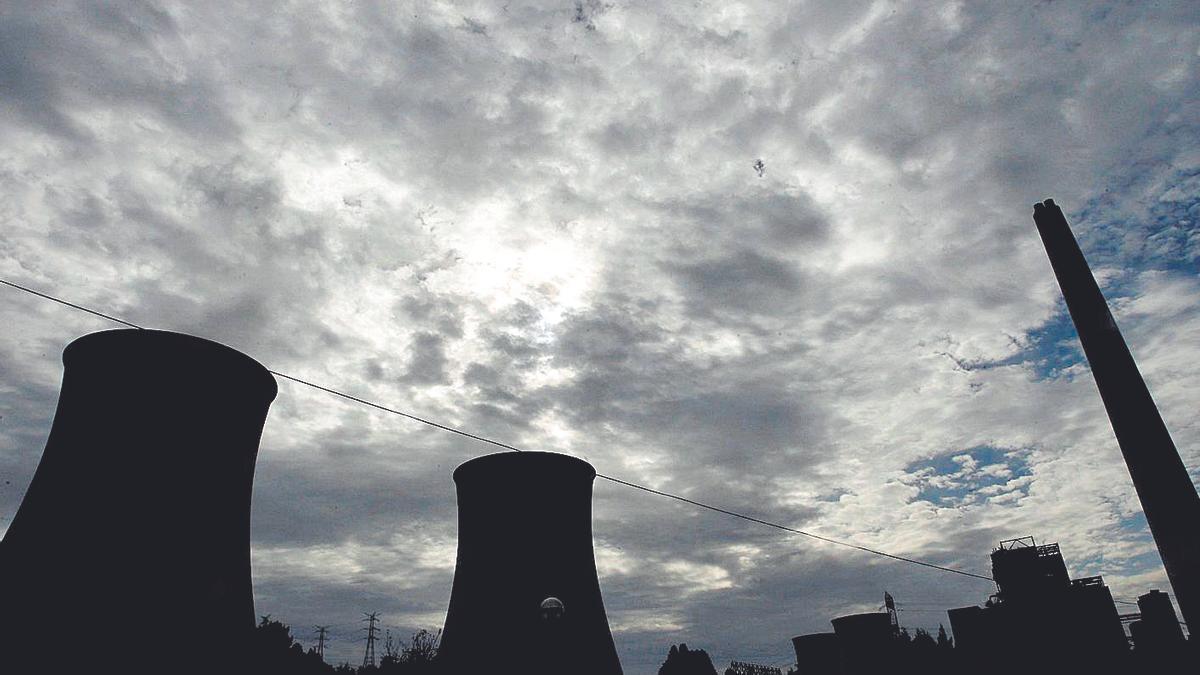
{"x":506,"y":446}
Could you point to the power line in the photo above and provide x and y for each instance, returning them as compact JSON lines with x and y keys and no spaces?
{"x":506,"y":446}
{"x":384,"y":408}
{"x":293,"y":378}
{"x":72,"y":305}
{"x":793,"y":530}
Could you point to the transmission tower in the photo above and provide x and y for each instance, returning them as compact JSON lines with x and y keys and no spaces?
{"x":321,"y":640}
{"x":369,"y":656}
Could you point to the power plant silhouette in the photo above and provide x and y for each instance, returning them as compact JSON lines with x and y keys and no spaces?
{"x":140,"y":504}
{"x":1061,"y":623}
{"x":525,"y":585}
{"x":1165,"y":489}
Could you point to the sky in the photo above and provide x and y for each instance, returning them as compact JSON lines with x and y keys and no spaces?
{"x":543,"y":223}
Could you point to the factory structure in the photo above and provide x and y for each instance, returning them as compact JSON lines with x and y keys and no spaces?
{"x":1053,"y":618}
{"x":747,"y":668}
{"x":1057,"y":622}
{"x":1039,"y":618}
{"x":148,"y":471}
{"x":1164,"y":487}
{"x":869,"y":642}
{"x":137,"y":476}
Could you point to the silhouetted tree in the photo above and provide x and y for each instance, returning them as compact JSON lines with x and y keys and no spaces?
{"x":924,"y":639}
{"x":391,"y":652}
{"x":923,"y":650}
{"x":944,"y":642}
{"x":423,"y":648}
{"x":684,"y":661}
{"x":922,"y":653}
{"x":414,"y":658}
{"x":273,"y":651}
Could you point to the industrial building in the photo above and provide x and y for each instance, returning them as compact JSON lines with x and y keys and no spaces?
{"x":816,"y":653}
{"x":1157,"y":626}
{"x":870,"y":642}
{"x":744,"y":668}
{"x":1158,"y":641}
{"x":1040,"y":613}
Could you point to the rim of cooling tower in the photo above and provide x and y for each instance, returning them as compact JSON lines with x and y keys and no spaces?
{"x":507,"y":463}
{"x":122,"y":348}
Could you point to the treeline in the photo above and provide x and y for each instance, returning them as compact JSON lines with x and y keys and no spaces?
{"x":274,"y":651}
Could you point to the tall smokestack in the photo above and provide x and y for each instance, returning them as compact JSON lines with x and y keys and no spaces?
{"x":526,"y":597}
{"x":1168,"y":496}
{"x":131,"y":546}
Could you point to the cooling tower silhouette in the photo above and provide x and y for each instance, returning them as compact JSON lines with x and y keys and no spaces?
{"x":131,"y":546}
{"x":526,"y":597}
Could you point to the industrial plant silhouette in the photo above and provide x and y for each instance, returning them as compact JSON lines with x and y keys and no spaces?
{"x":141,"y":505}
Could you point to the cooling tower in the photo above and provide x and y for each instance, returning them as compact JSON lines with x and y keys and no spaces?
{"x":1165,"y":489}
{"x":131,"y":547}
{"x":816,"y":654}
{"x":865,"y":643}
{"x":526,"y":597}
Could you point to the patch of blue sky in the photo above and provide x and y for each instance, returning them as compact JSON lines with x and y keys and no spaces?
{"x":970,"y":476}
{"x":1149,"y":560}
{"x":1166,"y":237}
{"x":1104,"y":565}
{"x":1135,"y":522}
{"x":1053,"y":347}
{"x":1088,"y":566}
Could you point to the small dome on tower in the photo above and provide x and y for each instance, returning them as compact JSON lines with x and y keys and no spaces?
{"x":552,"y":609}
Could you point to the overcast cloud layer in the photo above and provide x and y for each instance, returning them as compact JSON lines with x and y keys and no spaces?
{"x":543,"y":223}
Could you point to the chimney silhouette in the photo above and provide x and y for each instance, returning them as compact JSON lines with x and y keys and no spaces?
{"x":1167,"y":494}
{"x":133,"y":538}
{"x":526,"y":597}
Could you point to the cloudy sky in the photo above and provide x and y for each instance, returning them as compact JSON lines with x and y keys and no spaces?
{"x":543,"y":223}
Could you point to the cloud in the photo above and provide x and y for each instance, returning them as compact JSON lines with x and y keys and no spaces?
{"x":542,"y":223}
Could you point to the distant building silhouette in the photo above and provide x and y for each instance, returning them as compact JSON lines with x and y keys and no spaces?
{"x":1166,"y":491}
{"x":817,"y":654}
{"x":1055,"y":622}
{"x":871,"y":643}
{"x":1159,"y":623}
{"x":1157,"y":637}
{"x":138,"y":516}
{"x":525,"y":588}
{"x":744,"y":668}
{"x":865,"y":642}
{"x":684,"y":661}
